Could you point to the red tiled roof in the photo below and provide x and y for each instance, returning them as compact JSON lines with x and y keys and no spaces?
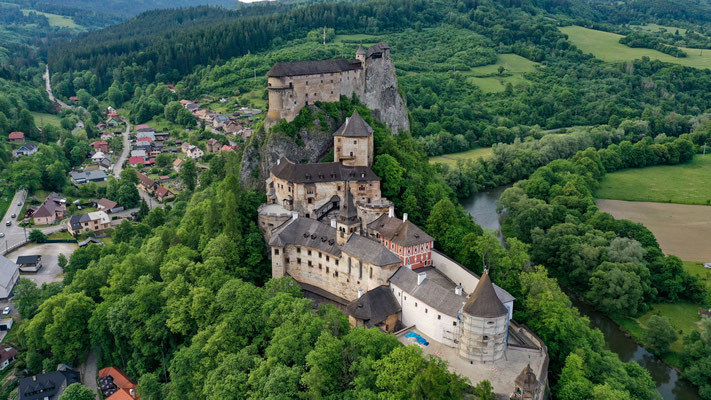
{"x":16,"y":135}
{"x":145,"y":139}
{"x":136,"y":160}
{"x":112,"y":115}
{"x":142,"y":126}
{"x":146,"y":181}
{"x":162,"y":191}
{"x":120,"y":378}
{"x":99,"y":143}
{"x":121,"y":394}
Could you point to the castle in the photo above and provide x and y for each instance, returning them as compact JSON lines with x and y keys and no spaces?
{"x":329,"y":228}
{"x":371,"y":77}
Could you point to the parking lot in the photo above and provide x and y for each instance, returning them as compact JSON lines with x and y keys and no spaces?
{"x":50,"y":271}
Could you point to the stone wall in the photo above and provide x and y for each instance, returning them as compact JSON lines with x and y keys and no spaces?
{"x":354,"y":151}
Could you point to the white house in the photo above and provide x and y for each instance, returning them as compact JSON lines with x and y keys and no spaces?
{"x":9,"y":275}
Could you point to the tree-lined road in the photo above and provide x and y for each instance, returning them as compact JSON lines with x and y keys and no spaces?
{"x":48,"y":87}
{"x":118,"y":166}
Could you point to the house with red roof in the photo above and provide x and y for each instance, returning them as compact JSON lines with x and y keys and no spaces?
{"x":116,"y":385}
{"x":144,"y":128}
{"x":16,"y":137}
{"x":74,"y":98}
{"x":227,"y":148}
{"x":136,"y":161}
{"x":144,"y":139}
{"x":100,"y":145}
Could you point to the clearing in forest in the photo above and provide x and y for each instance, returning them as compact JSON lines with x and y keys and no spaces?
{"x":688,"y":183}
{"x":607,"y":47}
{"x":42,"y":119}
{"x":654,"y":28}
{"x":473,"y":154}
{"x":60,"y":21}
{"x":489,"y":80}
{"x":681,"y":229}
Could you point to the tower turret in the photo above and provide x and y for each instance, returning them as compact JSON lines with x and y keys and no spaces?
{"x":360,"y":55}
{"x":347,"y":222}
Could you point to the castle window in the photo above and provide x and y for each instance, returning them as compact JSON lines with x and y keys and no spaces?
{"x":307,"y":82}
{"x":310,"y":264}
{"x":328,"y":258}
{"x":298,"y":261}
{"x":439,"y":316}
{"x":276,"y":251}
{"x":336,"y":261}
{"x":355,"y":142}
{"x":308,"y":252}
{"x":298,"y":250}
{"x":425,"y":311}
{"x":327,"y":269}
{"x":320,"y":266}
{"x":485,"y":338}
{"x":331,"y":82}
{"x":405,"y":297}
{"x":371,"y":272}
{"x":319,"y":254}
{"x":454,"y":323}
{"x":321,"y":80}
{"x":310,"y":200}
{"x":415,"y":304}
{"x":335,"y":274}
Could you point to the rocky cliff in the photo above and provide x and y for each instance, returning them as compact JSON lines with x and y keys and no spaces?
{"x":382,"y":97}
{"x":309,"y":144}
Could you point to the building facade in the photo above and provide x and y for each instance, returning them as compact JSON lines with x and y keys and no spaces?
{"x":402,"y":237}
{"x":293,"y":85}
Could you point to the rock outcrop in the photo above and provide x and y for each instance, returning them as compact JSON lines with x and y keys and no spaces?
{"x":264,"y":149}
{"x":381,"y":95}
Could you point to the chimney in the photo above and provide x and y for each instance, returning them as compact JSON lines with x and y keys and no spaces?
{"x":391,"y":212}
{"x":132,"y":392}
{"x":333,"y":223}
{"x":458,"y":290}
{"x":360,"y":293}
{"x":404,"y":217}
{"x":279,"y":161}
{"x":421,"y":277}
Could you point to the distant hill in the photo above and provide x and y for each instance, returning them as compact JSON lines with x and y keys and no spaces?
{"x":129,"y":8}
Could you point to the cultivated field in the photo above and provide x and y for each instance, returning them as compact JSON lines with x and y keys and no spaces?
{"x":684,"y":184}
{"x":59,"y":21}
{"x":488,"y":79}
{"x":451,"y":159}
{"x":681,"y":229}
{"x":607,"y":47}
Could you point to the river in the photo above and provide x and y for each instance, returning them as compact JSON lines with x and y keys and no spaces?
{"x":482,"y":207}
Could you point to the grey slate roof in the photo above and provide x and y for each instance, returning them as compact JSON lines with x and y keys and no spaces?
{"x":484,"y":302}
{"x":89,"y":175}
{"x":370,"y":251}
{"x":321,"y":172}
{"x":348,"y":211}
{"x":430,"y":292}
{"x":76,"y":220}
{"x":294,"y":68}
{"x":361,"y":50}
{"x":355,"y":126}
{"x":307,"y":232}
{"x":7,"y":273}
{"x":313,"y":234}
{"x":403,"y":233}
{"x":50,"y":385}
{"x":526,"y":380}
{"x":377,"y":49}
{"x":374,"y":306}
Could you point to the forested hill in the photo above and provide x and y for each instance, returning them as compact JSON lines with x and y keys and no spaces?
{"x":129,"y":8}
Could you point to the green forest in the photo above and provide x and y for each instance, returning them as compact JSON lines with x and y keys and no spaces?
{"x":182,"y":299}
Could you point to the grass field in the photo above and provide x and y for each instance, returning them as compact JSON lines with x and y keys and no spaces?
{"x":697,"y":269}
{"x":42,"y":119}
{"x":682,"y":316}
{"x":451,"y":159}
{"x":607,"y":47}
{"x":683,"y":184}
{"x":488,"y":79}
{"x":654,"y":28}
{"x":59,"y":21}
{"x":361,"y":38}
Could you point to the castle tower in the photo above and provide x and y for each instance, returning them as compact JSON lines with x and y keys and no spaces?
{"x":347,"y":222}
{"x":484,"y":324}
{"x":360,"y":55}
{"x":353,"y":142}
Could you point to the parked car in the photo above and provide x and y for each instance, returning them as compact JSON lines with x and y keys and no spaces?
{"x":14,"y":215}
{"x":2,"y":234}
{"x":6,"y":310}
{"x":8,"y":223}
{"x":19,"y":204}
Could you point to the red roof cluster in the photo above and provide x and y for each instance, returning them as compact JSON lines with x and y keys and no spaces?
{"x":16,"y":135}
{"x":118,"y":386}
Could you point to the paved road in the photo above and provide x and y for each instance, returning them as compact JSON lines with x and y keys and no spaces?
{"x":50,"y":271}
{"x":152,"y":202}
{"x":14,"y":234}
{"x":118,"y":166}
{"x":48,"y":87}
{"x":89,"y":372}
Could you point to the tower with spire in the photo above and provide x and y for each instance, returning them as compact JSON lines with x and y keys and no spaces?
{"x":484,"y":324}
{"x":348,"y":221}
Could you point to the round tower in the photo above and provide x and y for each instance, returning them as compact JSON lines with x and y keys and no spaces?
{"x":483,"y":324}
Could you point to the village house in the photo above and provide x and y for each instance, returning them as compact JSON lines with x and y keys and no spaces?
{"x":47,"y":386}
{"x":212,"y":146}
{"x":107,"y":135}
{"x":144,"y":128}
{"x":80,"y":178}
{"x":7,"y":356}
{"x":100,"y":145}
{"x":177,"y":164}
{"x":163,"y":194}
{"x":51,"y":210}
{"x":191,"y":151}
{"x":101,"y":126}
{"x":116,"y":385}
{"x":138,"y":153}
{"x":109,"y":206}
{"x":145,"y":183}
{"x":111,"y":110}
{"x":90,"y":222}
{"x":112,"y":122}
{"x":26,"y":149}
{"x":16,"y":137}
{"x":219,"y":121}
{"x":136,"y":161}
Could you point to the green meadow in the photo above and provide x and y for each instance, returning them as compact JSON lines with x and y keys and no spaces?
{"x":59,"y":21}
{"x":42,"y":119}
{"x":607,"y":47}
{"x":683,"y":184}
{"x":452,"y":158}
{"x":489,"y":80}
